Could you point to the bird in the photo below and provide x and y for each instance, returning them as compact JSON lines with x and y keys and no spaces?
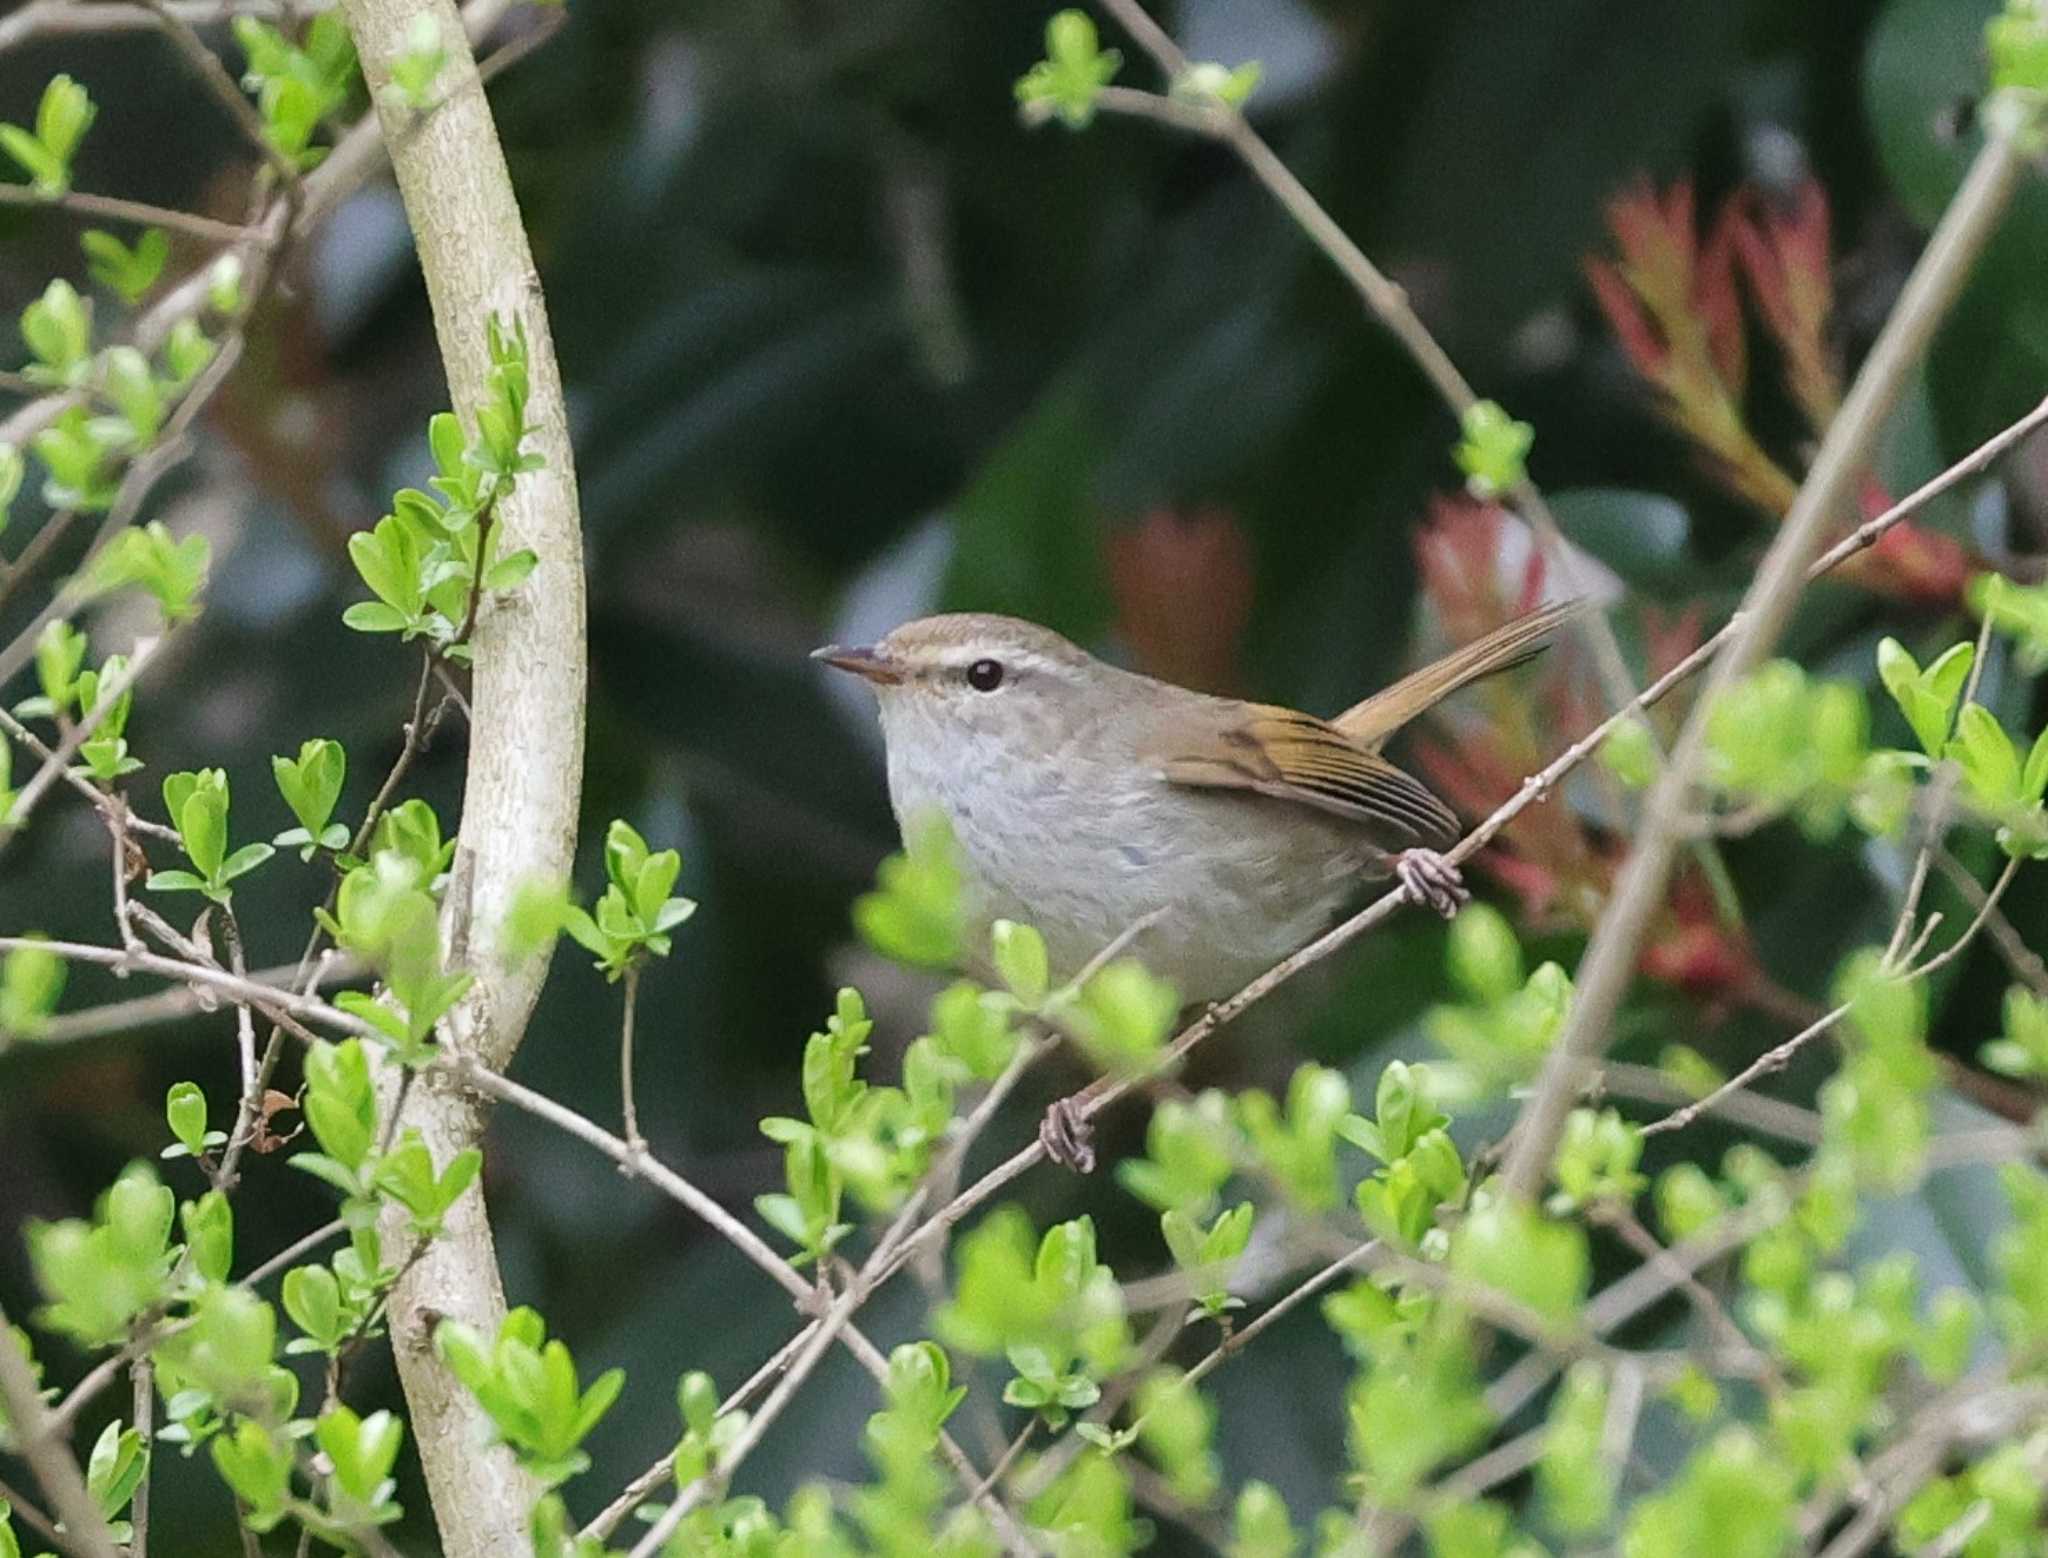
{"x":1095,"y":803}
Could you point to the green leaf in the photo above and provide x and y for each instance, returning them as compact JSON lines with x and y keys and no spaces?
{"x":2018,"y":45}
{"x":62,"y":118}
{"x":60,"y":653}
{"x":915,"y":914}
{"x":1734,"y":1499}
{"x":1983,"y":750}
{"x":80,"y":462}
{"x":1261,"y":1526}
{"x":198,"y":806}
{"x":185,"y":1111}
{"x":1512,"y":1248}
{"x":312,"y":1298}
{"x":1020,"y":961}
{"x":126,"y":381}
{"x":1493,"y":450}
{"x":1210,"y":82}
{"x":210,"y":1235}
{"x":311,"y":783}
{"x":115,"y":1469}
{"x":373,"y":616}
{"x":415,"y":68}
{"x":186,"y":352}
{"x":1483,"y":956}
{"x":387,"y":556}
{"x":2034,"y":776}
{"x":12,"y":469}
{"x":46,"y":173}
{"x":1926,"y":698}
{"x":257,"y":1468}
{"x":361,"y":1450}
{"x":511,"y":571}
{"x":1074,"y":71}
{"x":130,"y":272}
{"x":172,"y":571}
{"x":224,"y":285}
{"x":1630,"y":754}
{"x":244,"y":860}
{"x":339,"y":1104}
{"x":57,"y":328}
{"x":1123,"y":1015}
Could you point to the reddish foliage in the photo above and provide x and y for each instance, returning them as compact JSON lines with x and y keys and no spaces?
{"x":1182,"y":583}
{"x":1695,"y":950}
{"x":1459,"y":552}
{"x":1783,"y":247}
{"x":1559,"y":866}
{"x":1673,"y":303}
{"x":1672,"y":300}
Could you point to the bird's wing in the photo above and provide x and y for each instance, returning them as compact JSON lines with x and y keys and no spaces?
{"x":1296,"y":757}
{"x":1370,"y":723}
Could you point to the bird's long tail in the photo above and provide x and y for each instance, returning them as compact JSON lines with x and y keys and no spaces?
{"x":1370,"y":723}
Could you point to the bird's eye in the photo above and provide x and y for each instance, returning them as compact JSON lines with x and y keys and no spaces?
{"x":985,"y":675}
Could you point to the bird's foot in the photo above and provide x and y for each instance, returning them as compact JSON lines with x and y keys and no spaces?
{"x":1431,"y":881}
{"x":1068,"y":1138}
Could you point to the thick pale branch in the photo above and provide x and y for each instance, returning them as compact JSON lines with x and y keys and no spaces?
{"x":48,"y":1456}
{"x":520,"y":799}
{"x":1828,"y":494}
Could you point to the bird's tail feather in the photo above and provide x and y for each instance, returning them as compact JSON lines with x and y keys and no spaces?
{"x":1371,"y":722}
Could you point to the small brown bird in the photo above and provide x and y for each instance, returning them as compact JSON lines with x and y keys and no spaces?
{"x":1087,"y":800}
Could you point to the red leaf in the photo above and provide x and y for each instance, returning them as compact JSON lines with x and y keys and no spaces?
{"x":1182,"y":583}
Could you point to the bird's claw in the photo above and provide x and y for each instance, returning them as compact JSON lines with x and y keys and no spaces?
{"x":1067,"y":1137}
{"x":1431,"y":881}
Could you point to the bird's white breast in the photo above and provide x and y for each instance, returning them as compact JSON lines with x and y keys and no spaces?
{"x":1238,"y":881}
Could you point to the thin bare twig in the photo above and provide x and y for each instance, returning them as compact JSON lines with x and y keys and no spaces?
{"x":1939,"y":801}
{"x":631,"y":1114}
{"x":636,"y":1492}
{"x":291,"y":1253}
{"x":1616,"y":1214}
{"x":54,"y":766}
{"x":206,"y":65}
{"x":1754,"y":1111}
{"x":25,"y":1511}
{"x":142,"y":1407}
{"x":2023,"y":960}
{"x":265,"y":998}
{"x":251,"y":1104}
{"x":168,"y":1006}
{"x":1775,"y":1060}
{"x":1008,"y":1458}
{"x":138,"y":213}
{"x":887,"y":1260}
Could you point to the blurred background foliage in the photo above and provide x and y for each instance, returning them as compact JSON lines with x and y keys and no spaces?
{"x":845,"y":342}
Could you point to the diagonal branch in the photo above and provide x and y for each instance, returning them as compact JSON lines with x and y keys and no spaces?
{"x":49,"y":1457}
{"x":1828,"y":493}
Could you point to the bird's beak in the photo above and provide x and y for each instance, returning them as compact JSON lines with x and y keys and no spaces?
{"x":864,"y":662}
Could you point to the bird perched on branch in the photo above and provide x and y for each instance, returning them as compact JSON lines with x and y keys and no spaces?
{"x":1087,"y":800}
